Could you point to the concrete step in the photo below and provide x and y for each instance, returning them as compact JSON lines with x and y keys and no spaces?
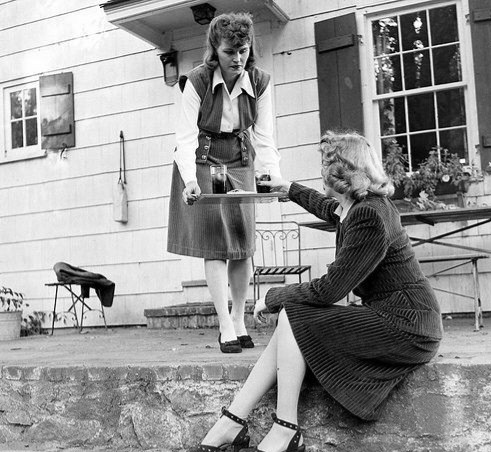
{"x":140,"y":389}
{"x":198,"y":315}
{"x":202,"y":314}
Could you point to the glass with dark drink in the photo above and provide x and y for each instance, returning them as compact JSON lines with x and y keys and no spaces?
{"x":264,"y":175}
{"x":218,"y":179}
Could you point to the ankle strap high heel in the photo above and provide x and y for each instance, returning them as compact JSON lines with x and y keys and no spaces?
{"x":241,"y":441}
{"x":293,"y":444}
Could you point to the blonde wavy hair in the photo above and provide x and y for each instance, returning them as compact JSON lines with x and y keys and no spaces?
{"x":350,"y":165}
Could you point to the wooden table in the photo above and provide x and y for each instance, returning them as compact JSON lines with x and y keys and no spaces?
{"x":478,"y":215}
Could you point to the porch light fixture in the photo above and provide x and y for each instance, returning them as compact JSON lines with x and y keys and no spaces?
{"x":171,"y":69}
{"x":203,"y":14}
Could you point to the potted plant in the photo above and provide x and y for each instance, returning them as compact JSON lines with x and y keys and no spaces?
{"x":440,"y":174}
{"x":11,"y":304}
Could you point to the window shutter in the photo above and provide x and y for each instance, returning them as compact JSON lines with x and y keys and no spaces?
{"x":56,"y":111}
{"x":480,"y":20}
{"x":338,"y":73}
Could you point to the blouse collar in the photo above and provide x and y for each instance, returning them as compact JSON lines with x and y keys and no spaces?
{"x":242,"y":83}
{"x":343,"y":212}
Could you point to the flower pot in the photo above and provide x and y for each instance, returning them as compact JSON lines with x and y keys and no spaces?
{"x":10,"y":325}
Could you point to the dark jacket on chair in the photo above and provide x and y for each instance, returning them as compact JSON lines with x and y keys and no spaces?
{"x":69,"y":274}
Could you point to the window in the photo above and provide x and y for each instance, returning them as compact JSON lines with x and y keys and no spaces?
{"x":21,"y":123}
{"x":37,"y":116}
{"x":419,"y":92}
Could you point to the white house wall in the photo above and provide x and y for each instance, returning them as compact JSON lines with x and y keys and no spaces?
{"x":56,"y":209}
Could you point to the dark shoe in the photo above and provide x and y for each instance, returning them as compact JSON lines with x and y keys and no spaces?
{"x":292,"y":445}
{"x":229,"y":346}
{"x":246,"y":341}
{"x":241,"y":441}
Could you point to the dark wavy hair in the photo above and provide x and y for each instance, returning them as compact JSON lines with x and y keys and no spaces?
{"x":352,"y":166}
{"x":238,"y":29}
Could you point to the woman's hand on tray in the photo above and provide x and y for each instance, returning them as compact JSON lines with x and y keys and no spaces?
{"x":191,"y":193}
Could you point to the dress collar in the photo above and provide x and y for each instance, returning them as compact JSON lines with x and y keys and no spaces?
{"x":242,"y":83}
{"x":343,"y":212}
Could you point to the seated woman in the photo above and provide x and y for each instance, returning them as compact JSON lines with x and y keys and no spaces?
{"x":358,"y":352}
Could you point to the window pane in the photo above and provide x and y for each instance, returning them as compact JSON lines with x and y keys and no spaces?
{"x":385,"y":36}
{"x":451,"y":108}
{"x":15,"y":105}
{"x":446,"y":61}
{"x":388,"y":74}
{"x":30,"y":107}
{"x":414,"y":30}
{"x":17,"y":137}
{"x":421,"y":112}
{"x":392,"y":116}
{"x":455,"y":141}
{"x":31,"y":131}
{"x":417,"y":69}
{"x":421,"y":145}
{"x":443,"y":23}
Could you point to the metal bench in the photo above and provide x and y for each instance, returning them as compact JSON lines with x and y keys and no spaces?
{"x":460,"y":260}
{"x":278,"y":252}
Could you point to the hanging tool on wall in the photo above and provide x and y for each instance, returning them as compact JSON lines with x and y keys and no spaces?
{"x":120,"y":195}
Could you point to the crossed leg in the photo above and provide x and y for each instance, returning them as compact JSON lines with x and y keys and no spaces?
{"x":281,"y":362}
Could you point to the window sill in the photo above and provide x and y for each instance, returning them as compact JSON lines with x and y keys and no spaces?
{"x":24,"y":156}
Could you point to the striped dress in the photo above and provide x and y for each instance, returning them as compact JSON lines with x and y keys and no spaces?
{"x":360,"y":352}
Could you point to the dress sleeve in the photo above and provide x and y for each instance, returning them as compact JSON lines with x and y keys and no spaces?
{"x":187,"y":133}
{"x":364,"y":246}
{"x":267,"y":155}
{"x":314,"y":202}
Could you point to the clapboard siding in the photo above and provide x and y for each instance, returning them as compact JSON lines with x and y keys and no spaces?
{"x":70,"y":54}
{"x":298,"y":97}
{"x":141,"y":153}
{"x":298,"y":130}
{"x":74,"y":25}
{"x":19,"y":12}
{"x":73,"y":222}
{"x":139,"y":95}
{"x":90,"y":250}
{"x":296,"y":66}
{"x":84,"y":191}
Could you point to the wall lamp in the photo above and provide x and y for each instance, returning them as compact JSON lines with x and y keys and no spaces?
{"x":203,"y":14}
{"x":171,"y":69}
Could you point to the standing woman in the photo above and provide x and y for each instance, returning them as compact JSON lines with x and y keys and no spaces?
{"x":226,"y":117}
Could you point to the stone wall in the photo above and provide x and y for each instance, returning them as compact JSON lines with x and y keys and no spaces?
{"x":440,"y":408}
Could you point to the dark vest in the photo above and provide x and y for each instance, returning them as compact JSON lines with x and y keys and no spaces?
{"x":210,"y":113}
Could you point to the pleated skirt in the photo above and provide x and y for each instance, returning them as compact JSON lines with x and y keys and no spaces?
{"x":214,"y":231}
{"x":357,"y":354}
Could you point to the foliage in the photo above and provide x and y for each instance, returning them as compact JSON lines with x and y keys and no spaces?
{"x":439,"y":167}
{"x":32,"y":324}
{"x":10,"y":300}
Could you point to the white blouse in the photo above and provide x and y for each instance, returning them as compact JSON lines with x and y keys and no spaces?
{"x":267,"y":155}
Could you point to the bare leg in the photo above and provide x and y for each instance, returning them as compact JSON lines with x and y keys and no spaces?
{"x":217,"y":280}
{"x":290,"y":373}
{"x":239,"y":275}
{"x":259,"y":381}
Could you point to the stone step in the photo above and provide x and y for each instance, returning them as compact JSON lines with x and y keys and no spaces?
{"x":202,"y":314}
{"x":198,"y":315}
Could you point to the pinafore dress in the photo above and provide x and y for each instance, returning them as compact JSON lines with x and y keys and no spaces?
{"x":218,"y":231}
